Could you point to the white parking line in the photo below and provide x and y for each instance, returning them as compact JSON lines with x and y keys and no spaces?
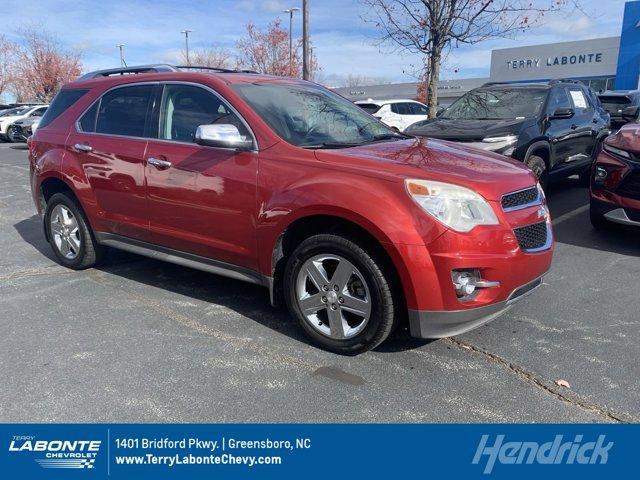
{"x":570,"y":215}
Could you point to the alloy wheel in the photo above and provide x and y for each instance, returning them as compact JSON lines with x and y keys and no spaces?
{"x":65,"y":232}
{"x":333,"y":296}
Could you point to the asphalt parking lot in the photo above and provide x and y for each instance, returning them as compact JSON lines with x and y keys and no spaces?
{"x":138,"y":340}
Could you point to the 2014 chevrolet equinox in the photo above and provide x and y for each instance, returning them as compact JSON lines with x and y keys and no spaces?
{"x":282,"y":183}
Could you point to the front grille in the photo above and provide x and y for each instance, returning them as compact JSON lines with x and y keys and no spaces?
{"x":514,"y":200}
{"x":630,"y":186}
{"x":532,"y":236}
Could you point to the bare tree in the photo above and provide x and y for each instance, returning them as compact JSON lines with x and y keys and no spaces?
{"x":268,"y":52}
{"x":8,"y":52}
{"x":42,"y":66}
{"x":215,"y":57}
{"x":430,"y":27}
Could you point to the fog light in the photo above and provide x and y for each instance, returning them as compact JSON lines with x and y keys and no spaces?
{"x":464,"y":282}
{"x":600,"y":175}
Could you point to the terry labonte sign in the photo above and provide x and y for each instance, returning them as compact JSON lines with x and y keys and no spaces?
{"x":587,"y":58}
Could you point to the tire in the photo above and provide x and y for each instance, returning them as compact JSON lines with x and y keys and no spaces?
{"x":353,"y":317}
{"x":584,"y":177}
{"x":539,"y":167}
{"x":70,"y":235}
{"x":599,"y":222}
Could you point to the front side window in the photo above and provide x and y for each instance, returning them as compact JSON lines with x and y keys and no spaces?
{"x":497,"y":104}
{"x":311,"y":116}
{"x":122,"y":111}
{"x":186,"y":107}
{"x":417,"y":109}
{"x":559,"y":99}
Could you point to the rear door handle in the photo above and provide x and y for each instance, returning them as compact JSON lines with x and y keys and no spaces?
{"x":83,"y":148}
{"x":158,"y":163}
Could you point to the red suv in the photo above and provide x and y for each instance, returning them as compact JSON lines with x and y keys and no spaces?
{"x":283,"y":183}
{"x":615,"y":179}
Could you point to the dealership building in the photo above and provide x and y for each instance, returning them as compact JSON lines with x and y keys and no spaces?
{"x":611,"y":63}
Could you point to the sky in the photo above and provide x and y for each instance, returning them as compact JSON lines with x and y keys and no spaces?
{"x":343,"y":42}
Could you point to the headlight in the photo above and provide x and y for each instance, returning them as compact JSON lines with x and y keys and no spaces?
{"x":505,"y":139}
{"x":616,"y":151}
{"x":457,"y":207}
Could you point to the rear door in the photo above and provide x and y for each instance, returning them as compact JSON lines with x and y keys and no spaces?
{"x":109,"y":140}
{"x":202,"y":200}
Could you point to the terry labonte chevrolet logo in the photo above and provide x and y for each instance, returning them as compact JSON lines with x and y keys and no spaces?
{"x":57,"y":453}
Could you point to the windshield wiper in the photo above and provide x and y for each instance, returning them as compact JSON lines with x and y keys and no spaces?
{"x":333,"y":145}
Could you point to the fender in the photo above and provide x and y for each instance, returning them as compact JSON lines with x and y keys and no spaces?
{"x":396,"y":222}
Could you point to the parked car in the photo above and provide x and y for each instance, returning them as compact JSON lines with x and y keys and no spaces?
{"x":21,"y":130}
{"x":282,"y":183}
{"x":9,"y":117}
{"x":398,"y":114}
{"x":616,"y":101}
{"x":554,"y":128}
{"x":615,"y":182}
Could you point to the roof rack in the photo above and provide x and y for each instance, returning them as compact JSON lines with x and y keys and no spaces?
{"x":159,"y":68}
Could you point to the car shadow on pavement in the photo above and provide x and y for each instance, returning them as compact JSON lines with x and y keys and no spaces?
{"x":250,"y":301}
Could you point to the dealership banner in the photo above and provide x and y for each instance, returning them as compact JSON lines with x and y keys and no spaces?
{"x":59,"y":451}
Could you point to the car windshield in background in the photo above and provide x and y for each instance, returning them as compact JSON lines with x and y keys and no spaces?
{"x":312,"y":117}
{"x":15,"y":111}
{"x":498,"y":104}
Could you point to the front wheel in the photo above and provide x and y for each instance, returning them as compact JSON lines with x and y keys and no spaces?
{"x":340,"y":294}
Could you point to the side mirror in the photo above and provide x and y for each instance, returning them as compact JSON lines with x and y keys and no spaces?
{"x":631,"y":114}
{"x":562,"y":113}
{"x":222,"y":136}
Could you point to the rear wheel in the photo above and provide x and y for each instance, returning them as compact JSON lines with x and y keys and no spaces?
{"x":340,"y":294}
{"x":539,"y":168}
{"x":69,"y":233}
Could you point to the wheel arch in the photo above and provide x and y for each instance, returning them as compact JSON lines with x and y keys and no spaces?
{"x":541,"y":148}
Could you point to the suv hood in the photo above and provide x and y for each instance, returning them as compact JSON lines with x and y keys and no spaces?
{"x":489,"y":174}
{"x":627,"y":138}
{"x":466,"y":130}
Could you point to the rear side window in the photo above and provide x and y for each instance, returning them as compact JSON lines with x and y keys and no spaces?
{"x":401,"y":108}
{"x":62,"y":101}
{"x":369,"y":107}
{"x":122,"y":111}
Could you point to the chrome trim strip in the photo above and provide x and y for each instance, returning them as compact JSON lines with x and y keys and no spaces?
{"x":538,"y":201}
{"x":182,"y":258}
{"x":620,"y":216}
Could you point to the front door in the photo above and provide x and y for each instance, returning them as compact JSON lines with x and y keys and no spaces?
{"x":562,"y":132}
{"x":201,"y":200}
{"x":110,"y":145}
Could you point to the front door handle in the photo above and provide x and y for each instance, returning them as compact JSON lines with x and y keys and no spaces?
{"x":158,"y":163}
{"x":82,"y":148}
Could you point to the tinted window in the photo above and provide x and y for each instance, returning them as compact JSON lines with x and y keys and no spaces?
{"x":62,"y":101}
{"x":401,"y":108}
{"x":559,"y":99}
{"x":186,"y":107}
{"x":88,"y":120}
{"x":123,"y":111}
{"x":369,"y":107}
{"x":417,"y":109}
{"x":38,"y":113}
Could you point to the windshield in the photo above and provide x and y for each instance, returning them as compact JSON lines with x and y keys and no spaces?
{"x":15,"y":111}
{"x":498,"y":104}
{"x":311,"y":116}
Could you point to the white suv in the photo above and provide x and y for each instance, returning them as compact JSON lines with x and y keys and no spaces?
{"x":9,"y":117}
{"x":398,"y":114}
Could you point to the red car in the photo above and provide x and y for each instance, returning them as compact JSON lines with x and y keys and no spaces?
{"x":615,"y":179}
{"x":283,"y":183}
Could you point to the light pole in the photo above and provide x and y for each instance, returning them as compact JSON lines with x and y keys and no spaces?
{"x":305,"y":40}
{"x":186,"y":41}
{"x":291,"y":11}
{"x":120,"y":46}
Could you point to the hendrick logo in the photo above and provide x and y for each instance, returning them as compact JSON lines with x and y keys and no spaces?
{"x":556,"y":452}
{"x":57,"y":453}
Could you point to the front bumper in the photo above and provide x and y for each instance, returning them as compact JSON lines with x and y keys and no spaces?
{"x":439,"y":324}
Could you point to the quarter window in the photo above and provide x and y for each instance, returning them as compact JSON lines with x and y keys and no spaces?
{"x":186,"y":107}
{"x":122,"y":111}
